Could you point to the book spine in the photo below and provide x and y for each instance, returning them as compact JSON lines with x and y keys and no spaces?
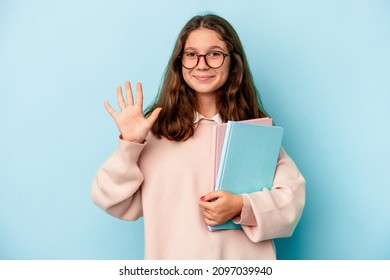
{"x":222,"y":161}
{"x":214,"y":141}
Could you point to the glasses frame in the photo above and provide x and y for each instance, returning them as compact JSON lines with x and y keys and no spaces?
{"x":205,"y":59}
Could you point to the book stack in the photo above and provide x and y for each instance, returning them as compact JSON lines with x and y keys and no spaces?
{"x":244,"y":158}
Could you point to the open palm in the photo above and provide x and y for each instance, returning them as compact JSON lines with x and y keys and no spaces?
{"x":131,"y":122}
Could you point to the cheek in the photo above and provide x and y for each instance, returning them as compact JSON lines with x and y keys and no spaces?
{"x":225,"y":71}
{"x":186,"y":75}
{"x":225,"y":76}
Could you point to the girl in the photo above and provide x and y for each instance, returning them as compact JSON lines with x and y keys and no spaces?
{"x":161,"y":169}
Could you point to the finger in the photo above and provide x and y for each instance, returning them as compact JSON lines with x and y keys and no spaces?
{"x":210,"y":222}
{"x":206,"y":205}
{"x":110,"y":110}
{"x":207,"y":215}
{"x":212,"y":196}
{"x":121,"y":101}
{"x":154,"y":115}
{"x":129,"y":94}
{"x":139,"y":98}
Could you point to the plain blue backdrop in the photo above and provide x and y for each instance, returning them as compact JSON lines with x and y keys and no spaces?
{"x":322,"y":68}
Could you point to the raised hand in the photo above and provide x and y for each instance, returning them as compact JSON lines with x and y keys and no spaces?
{"x":131,"y":122}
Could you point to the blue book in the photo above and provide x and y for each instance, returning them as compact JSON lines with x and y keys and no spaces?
{"x":248,"y":161}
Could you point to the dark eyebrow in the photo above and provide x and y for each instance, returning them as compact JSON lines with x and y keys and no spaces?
{"x":209,"y":49}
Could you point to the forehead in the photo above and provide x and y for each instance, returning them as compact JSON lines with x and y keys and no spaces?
{"x":203,"y":39}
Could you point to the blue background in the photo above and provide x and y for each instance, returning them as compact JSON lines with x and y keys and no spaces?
{"x":323,"y":70}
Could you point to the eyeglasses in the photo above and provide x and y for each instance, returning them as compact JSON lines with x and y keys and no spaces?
{"x":213,"y":59}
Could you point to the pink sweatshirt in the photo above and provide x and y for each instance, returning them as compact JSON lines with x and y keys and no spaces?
{"x":163,"y":181}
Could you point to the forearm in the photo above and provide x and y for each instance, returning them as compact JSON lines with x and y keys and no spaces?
{"x":115,"y":187}
{"x":275,"y":213}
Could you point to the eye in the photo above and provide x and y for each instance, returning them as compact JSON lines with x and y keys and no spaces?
{"x":214,"y":54}
{"x":189,"y":54}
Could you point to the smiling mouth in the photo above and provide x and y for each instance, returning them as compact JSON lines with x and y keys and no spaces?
{"x":203,"y":78}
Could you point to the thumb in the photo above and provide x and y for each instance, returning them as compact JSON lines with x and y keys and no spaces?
{"x":154,"y":115}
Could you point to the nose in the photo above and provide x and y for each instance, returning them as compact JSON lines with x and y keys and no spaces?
{"x":202,"y":64}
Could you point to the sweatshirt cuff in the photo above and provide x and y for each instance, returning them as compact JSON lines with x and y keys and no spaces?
{"x":132,"y":149}
{"x":247,"y":217}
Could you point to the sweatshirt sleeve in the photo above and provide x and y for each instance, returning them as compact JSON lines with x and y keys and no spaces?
{"x":274,"y":213}
{"x":116,"y":186}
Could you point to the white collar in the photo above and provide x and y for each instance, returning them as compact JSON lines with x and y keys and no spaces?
{"x":199,"y":116}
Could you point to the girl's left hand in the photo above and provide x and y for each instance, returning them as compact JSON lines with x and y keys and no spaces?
{"x":220,"y":206}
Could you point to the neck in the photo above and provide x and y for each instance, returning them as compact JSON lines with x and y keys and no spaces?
{"x":207,"y":105}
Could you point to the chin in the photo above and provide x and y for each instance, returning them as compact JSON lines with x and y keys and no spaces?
{"x":205,"y":89}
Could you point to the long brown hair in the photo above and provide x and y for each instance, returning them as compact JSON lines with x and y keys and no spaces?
{"x":237,"y":100}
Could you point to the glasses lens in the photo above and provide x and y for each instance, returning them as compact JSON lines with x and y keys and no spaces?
{"x":214,"y":59}
{"x":189,"y":60}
